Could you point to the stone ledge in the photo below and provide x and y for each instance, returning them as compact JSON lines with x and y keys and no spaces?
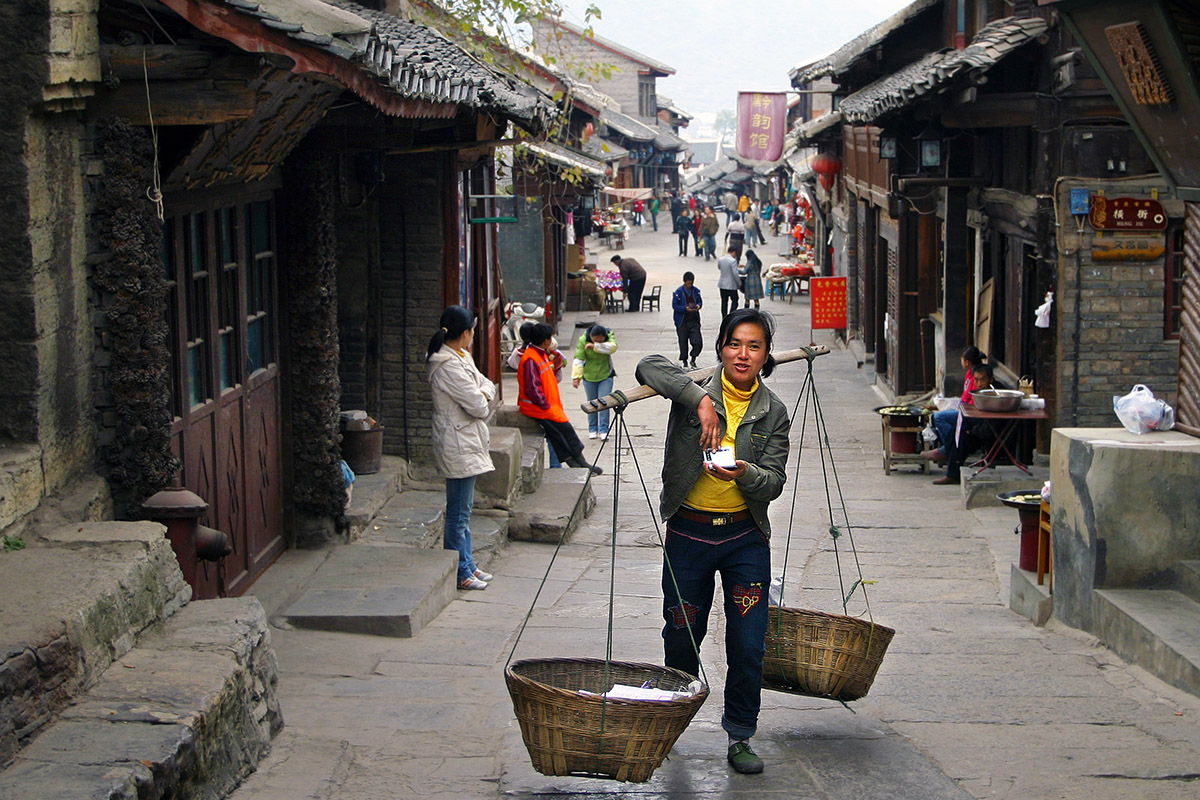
{"x":58,"y":637}
{"x":21,"y":481}
{"x":187,"y":714}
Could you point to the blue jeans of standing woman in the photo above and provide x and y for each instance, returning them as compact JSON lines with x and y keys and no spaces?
{"x":598,"y":420}
{"x":745,"y":566}
{"x":460,"y":494}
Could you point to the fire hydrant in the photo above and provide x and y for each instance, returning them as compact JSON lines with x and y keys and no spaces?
{"x":180,"y":510}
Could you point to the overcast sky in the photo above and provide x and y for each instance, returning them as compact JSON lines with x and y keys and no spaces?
{"x":721,"y":48}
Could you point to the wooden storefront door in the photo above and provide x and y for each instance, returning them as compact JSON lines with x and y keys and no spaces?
{"x":222,"y":267}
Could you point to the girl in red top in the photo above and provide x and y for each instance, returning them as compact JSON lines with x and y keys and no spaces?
{"x":945,"y":422}
{"x":538,"y":396}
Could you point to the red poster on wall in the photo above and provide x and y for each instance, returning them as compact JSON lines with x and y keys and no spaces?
{"x":762,"y":119}
{"x":828,"y":296}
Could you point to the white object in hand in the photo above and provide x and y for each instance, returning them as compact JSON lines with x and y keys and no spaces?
{"x":721,"y":457}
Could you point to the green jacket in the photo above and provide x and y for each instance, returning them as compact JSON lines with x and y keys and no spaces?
{"x":594,"y":365}
{"x":761,"y":440}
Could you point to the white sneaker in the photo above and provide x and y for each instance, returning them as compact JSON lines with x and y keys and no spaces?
{"x":592,"y":434}
{"x":604,"y":437}
{"x":471,"y":583}
{"x":483,"y":576}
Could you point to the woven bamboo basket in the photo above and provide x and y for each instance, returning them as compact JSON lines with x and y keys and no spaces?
{"x":567,"y":733}
{"x":826,"y":655}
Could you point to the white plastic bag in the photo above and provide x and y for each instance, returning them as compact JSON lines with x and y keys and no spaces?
{"x":1140,"y":412}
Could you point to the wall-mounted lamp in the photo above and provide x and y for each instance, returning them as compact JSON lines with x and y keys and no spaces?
{"x":887,"y":147}
{"x":929,"y":141}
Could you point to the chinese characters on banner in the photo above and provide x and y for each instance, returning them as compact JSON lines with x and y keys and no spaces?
{"x":828,"y":297}
{"x":1127,"y":214}
{"x":762,"y":118}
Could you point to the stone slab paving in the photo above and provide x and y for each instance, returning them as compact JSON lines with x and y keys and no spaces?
{"x":972,"y":700}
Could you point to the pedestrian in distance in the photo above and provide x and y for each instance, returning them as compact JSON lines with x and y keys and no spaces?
{"x":735,"y":234}
{"x":728,"y":282}
{"x":538,"y":397}
{"x":653,"y":208}
{"x":639,"y":206}
{"x":593,"y":366}
{"x":730,"y":200}
{"x":462,"y":399}
{"x":709,"y":225}
{"x":753,"y":232}
{"x":683,"y":229}
{"x":752,"y":287}
{"x":696,"y":221}
{"x":743,"y":204}
{"x":686,"y":303}
{"x":716,"y":516}
{"x":677,"y":206}
{"x":633,"y":280}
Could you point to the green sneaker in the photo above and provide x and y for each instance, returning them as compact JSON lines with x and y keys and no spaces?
{"x":743,"y":758}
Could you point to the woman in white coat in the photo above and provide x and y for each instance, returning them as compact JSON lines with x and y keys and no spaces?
{"x":461,"y":404}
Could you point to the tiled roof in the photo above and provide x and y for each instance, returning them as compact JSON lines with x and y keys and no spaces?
{"x":567,"y":158}
{"x":412,"y":60}
{"x":604,"y":150}
{"x":936,"y":72}
{"x":627,"y":126}
{"x":849,"y":53}
{"x":802,"y":134}
{"x":668,"y":141}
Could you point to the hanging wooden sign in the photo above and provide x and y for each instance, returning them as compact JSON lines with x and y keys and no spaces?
{"x":1127,"y":214}
{"x":1127,"y":247}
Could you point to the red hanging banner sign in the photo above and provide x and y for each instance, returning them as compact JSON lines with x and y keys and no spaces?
{"x":762,"y":118}
{"x":828,"y":298}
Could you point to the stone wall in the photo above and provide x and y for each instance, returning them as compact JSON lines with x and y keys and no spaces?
{"x":1115,"y":340}
{"x":45,"y":348}
{"x":1125,"y":512}
{"x":411,"y":243}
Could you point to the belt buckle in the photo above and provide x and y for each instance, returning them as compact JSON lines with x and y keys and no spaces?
{"x":719,"y":520}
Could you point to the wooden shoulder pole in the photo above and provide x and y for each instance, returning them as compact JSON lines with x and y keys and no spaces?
{"x":641,"y":392}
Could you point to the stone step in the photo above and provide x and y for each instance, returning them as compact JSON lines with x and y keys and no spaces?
{"x":502,"y":486}
{"x":554,"y":511}
{"x":1187,"y":579}
{"x":489,"y":535}
{"x":412,"y":518}
{"x":57,"y":637}
{"x":533,"y":460}
{"x":187,"y":713}
{"x":385,"y":591}
{"x":1157,"y":629}
{"x":370,"y":493}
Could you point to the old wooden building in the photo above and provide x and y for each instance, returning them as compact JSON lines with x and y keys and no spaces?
{"x":230,"y":221}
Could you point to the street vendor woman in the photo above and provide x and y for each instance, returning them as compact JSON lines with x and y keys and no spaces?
{"x":717,"y":515}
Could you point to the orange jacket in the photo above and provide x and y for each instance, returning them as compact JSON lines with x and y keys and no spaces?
{"x":549,"y":387}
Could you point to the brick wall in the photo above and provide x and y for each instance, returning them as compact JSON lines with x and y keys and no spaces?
{"x":1115,"y":338}
{"x":411,"y":242}
{"x":358,"y":259}
{"x":573,"y":51}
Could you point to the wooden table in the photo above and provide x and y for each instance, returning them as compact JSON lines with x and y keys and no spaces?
{"x":1002,"y":424}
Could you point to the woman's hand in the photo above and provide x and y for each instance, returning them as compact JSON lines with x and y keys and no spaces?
{"x":575,"y":382}
{"x":710,"y":424}
{"x":590,"y":346}
{"x":720,"y":473}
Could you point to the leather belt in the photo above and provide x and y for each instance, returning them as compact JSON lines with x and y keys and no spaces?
{"x":712,"y":518}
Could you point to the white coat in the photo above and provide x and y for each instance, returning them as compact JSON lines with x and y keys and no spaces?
{"x":461,"y":396}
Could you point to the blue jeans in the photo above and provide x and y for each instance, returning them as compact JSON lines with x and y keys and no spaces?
{"x":598,"y":420}
{"x":710,"y":246}
{"x":745,"y":567}
{"x":944,"y":422}
{"x":460,"y":494}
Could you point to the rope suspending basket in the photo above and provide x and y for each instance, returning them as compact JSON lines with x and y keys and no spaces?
{"x":813,"y":652}
{"x":570,"y":724}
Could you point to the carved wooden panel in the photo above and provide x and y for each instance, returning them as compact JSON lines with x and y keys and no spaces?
{"x":1139,"y":61}
{"x":1188,"y":403}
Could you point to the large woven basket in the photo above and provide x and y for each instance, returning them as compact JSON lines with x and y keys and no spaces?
{"x":825,"y":655}
{"x":567,"y":733}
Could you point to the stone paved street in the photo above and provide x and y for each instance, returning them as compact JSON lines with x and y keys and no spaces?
{"x":972,"y":699}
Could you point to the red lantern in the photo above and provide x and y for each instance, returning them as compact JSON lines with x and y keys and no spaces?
{"x":827,"y":166}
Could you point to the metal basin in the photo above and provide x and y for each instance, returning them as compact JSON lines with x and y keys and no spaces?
{"x":997,"y":400}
